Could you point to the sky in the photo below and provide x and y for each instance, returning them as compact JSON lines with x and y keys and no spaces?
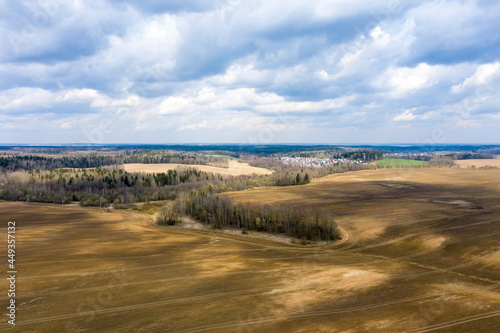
{"x":255,"y":72}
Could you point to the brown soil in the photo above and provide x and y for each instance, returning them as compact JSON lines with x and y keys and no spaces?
{"x":417,"y":259}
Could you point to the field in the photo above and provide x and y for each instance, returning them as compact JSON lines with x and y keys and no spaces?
{"x":494,"y":162}
{"x":235,"y":168}
{"x":399,"y":163}
{"x":420,"y":253}
{"x":226,"y":157}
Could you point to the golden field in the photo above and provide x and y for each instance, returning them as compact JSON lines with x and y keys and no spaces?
{"x":478,"y":163}
{"x":420,"y":253}
{"x":235,"y":168}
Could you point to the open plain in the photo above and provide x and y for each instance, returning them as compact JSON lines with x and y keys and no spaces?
{"x":234,"y":168}
{"x":479,"y":163}
{"x":420,"y":253}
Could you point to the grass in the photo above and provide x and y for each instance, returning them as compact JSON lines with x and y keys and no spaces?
{"x":400,"y":163}
{"x":149,"y":208}
{"x":409,"y":262}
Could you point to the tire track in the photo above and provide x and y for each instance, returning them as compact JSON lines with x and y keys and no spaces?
{"x":140,"y":306}
{"x":455,"y":322}
{"x":137,"y":283}
{"x":307,"y":314}
{"x":392,"y":241}
{"x":180,"y":262}
{"x":225,"y":325}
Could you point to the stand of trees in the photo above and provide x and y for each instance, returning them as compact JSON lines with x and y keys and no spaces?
{"x":361,"y":155}
{"x":300,"y":222}
{"x":99,"y":186}
{"x":167,"y":215}
{"x":33,"y":162}
{"x":469,"y":156}
{"x":441,"y":161}
{"x":93,"y":160}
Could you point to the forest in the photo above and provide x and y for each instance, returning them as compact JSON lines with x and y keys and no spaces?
{"x":92,"y":160}
{"x":25,"y":178}
{"x":299,"y":222}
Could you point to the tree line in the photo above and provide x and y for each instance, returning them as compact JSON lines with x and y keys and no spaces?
{"x":112,"y":185}
{"x":469,"y":156}
{"x":99,"y":186}
{"x":93,"y":160}
{"x":364,"y":155}
{"x":219,"y":212}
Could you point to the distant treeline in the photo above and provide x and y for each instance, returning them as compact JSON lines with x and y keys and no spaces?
{"x":234,"y":148}
{"x":493,"y":151}
{"x":452,"y":156}
{"x":300,"y":222}
{"x":361,"y":155}
{"x":260,"y":149}
{"x":366,"y":155}
{"x":33,"y":162}
{"x":469,"y":156}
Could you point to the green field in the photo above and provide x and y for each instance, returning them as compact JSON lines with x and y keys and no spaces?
{"x":400,"y":163}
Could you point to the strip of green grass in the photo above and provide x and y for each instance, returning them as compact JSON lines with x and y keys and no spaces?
{"x":400,"y":163}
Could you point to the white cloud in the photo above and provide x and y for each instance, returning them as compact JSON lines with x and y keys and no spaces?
{"x":210,"y":100}
{"x":235,"y":65}
{"x":195,"y":126}
{"x":31,"y":99}
{"x":482,"y":77}
{"x":242,"y":74}
{"x":25,"y":97}
{"x":400,"y":81}
{"x":174,"y":105}
{"x":80,"y":95}
{"x":377,"y":33}
{"x":407,"y":115}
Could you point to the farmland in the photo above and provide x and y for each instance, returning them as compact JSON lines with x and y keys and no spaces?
{"x":399,"y":163}
{"x":479,"y":163}
{"x":419,"y":252}
{"x":234,"y":168}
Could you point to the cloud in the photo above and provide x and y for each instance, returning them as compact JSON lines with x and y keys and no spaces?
{"x":407,"y":115}
{"x":450,"y":32}
{"x":401,"y":81}
{"x":225,"y":70}
{"x":482,"y":77}
{"x":25,"y":97}
{"x":32,"y":99}
{"x":212,"y":100}
{"x":58,"y":30}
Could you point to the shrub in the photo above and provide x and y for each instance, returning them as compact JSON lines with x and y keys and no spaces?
{"x":167,"y":215}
